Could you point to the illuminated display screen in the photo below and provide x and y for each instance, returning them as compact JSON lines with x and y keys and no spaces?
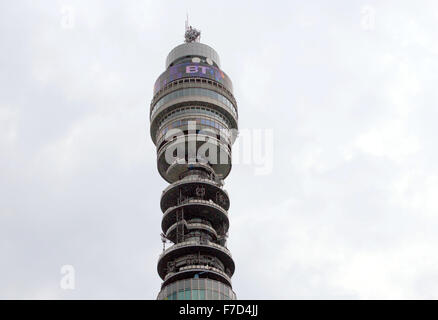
{"x":191,"y":69}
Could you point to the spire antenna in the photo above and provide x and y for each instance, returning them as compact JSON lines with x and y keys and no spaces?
{"x":191,"y":34}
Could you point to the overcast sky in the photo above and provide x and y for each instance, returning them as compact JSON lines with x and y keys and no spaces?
{"x":347,"y":88}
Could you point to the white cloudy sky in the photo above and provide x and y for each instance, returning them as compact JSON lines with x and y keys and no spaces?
{"x":348,"y":88}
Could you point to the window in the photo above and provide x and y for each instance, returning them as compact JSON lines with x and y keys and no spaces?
{"x":209,"y":112}
{"x":193,"y":91}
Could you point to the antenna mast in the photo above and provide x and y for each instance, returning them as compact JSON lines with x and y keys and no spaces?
{"x":191,"y":34}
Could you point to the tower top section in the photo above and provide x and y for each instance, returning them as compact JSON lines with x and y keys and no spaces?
{"x":192,"y":49}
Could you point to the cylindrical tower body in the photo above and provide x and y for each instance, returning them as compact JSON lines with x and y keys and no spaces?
{"x":193,"y":125}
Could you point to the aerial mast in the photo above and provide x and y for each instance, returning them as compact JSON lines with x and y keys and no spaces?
{"x":191,"y":34}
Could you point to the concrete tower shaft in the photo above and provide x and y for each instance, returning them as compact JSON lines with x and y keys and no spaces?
{"x":193,"y":119}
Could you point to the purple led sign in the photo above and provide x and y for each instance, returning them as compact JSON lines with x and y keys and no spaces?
{"x":184,"y":70}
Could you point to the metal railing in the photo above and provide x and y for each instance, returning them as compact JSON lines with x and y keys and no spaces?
{"x":193,"y":179}
{"x":197,"y":201}
{"x":195,"y":243}
{"x":198,"y":267}
{"x":193,"y":226}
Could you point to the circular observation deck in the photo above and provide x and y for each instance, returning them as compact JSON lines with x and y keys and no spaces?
{"x":188,"y":186}
{"x":198,"y":209}
{"x":200,"y":98}
{"x":204,"y":148}
{"x":188,"y":247}
{"x":193,"y":87}
{"x":190,"y":227}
